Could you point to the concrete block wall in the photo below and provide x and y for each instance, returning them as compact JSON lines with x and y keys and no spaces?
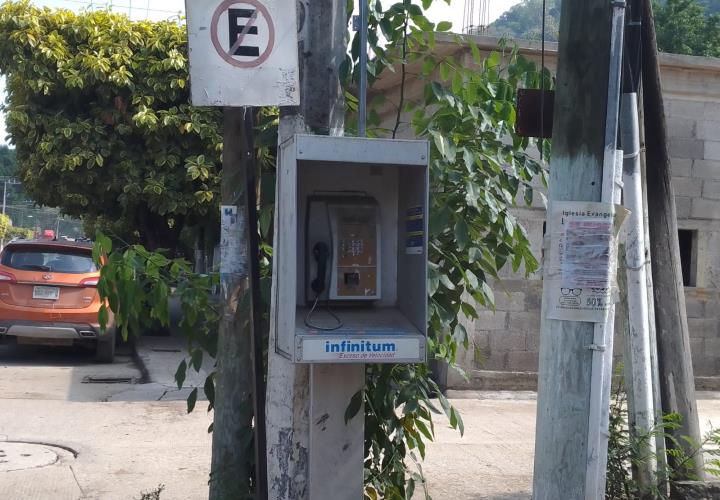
{"x":507,"y":340}
{"x":505,"y":343}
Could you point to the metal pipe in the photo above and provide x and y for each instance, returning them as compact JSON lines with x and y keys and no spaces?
{"x":638,"y":319}
{"x":601,"y":372}
{"x":362,"y":97}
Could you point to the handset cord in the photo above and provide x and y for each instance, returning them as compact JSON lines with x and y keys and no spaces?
{"x":308,"y":317}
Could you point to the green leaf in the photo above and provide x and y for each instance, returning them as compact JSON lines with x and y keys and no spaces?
{"x":196,"y":359}
{"x":180,"y":374}
{"x":444,"y":26}
{"x":209,"y":390}
{"x":461,"y":233}
{"x":354,"y":406}
{"x":191,"y":400}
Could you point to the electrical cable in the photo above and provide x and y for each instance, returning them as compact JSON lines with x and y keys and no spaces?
{"x":328,"y":278}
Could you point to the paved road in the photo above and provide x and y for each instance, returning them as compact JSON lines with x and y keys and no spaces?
{"x":494,"y":459}
{"x":111,"y":441}
{"x":101,"y":440}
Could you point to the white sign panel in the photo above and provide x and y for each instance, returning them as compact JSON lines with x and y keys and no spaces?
{"x":582,"y":259}
{"x":371,"y":349}
{"x":243,"y":53}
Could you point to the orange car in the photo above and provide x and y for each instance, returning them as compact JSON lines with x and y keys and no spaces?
{"x":48,"y":295}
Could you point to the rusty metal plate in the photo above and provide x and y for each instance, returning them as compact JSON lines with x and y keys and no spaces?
{"x":528,"y":113}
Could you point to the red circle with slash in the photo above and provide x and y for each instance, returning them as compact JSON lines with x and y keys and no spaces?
{"x":227,"y":55}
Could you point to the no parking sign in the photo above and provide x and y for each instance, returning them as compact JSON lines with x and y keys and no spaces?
{"x":243,"y":52}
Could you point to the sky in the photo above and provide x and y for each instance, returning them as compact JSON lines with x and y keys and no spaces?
{"x":163,"y":9}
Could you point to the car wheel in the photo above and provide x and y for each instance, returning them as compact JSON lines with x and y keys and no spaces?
{"x":105,"y":350}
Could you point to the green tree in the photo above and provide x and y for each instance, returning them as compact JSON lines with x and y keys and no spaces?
{"x":524,"y":21}
{"x":684,"y":27}
{"x":98,"y":112}
{"x":8,"y":164}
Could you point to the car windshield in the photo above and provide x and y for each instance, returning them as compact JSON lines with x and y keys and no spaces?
{"x":65,"y":260}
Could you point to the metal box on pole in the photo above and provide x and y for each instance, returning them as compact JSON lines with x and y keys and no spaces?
{"x":351,"y":252}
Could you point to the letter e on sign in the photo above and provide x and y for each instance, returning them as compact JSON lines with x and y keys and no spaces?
{"x":243,"y":52}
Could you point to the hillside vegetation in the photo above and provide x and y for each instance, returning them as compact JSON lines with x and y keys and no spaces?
{"x":683,"y":26}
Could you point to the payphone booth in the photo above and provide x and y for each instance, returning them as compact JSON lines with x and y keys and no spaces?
{"x":351,"y":250}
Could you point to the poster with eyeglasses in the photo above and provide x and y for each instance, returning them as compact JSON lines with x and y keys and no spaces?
{"x":582,"y":259}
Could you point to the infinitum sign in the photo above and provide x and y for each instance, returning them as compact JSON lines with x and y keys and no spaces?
{"x":243,"y":53}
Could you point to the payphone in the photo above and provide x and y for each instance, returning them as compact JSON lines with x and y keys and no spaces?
{"x":350,"y":259}
{"x":343,"y":237}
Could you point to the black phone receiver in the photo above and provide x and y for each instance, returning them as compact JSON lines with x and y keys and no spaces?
{"x":321,"y":252}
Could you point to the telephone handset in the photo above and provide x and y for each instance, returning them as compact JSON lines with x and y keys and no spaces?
{"x":321,"y":252}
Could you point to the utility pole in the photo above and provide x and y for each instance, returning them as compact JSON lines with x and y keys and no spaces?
{"x":677,"y":385}
{"x":321,"y":48}
{"x":231,"y":465}
{"x":638,"y":348}
{"x":575,"y":356}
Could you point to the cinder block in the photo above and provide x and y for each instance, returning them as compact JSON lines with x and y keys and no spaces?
{"x":480,"y":339}
{"x":524,"y":321}
{"x":532,"y":341}
{"x":712,"y":150}
{"x":695,"y":308}
{"x":708,"y":130}
{"x":523,"y":361}
{"x":704,"y":367}
{"x":689,"y":148}
{"x":711,"y":111}
{"x":686,"y":109}
{"x":705,"y":209}
{"x":711,"y":348}
{"x":711,"y":190}
{"x":488,"y":320}
{"x":512,"y":301}
{"x":681,"y":167}
{"x":533,"y":297}
{"x":706,"y":169}
{"x":687,"y":186}
{"x":682,"y":207}
{"x":697,"y":348}
{"x":706,"y":328}
{"x":679,"y":127}
{"x":506,"y":342}
{"x":493,"y":362}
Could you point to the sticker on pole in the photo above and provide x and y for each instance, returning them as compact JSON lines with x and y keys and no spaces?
{"x":582,"y":259}
{"x":243,"y":53}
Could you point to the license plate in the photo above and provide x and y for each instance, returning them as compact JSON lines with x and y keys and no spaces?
{"x":46,"y":292}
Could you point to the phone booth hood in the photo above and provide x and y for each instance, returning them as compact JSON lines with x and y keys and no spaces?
{"x":322,"y":181}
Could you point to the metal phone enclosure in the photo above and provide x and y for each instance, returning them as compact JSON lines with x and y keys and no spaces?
{"x":351,"y":221}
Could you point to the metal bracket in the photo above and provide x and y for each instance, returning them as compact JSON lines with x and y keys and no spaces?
{"x":596,"y":347}
{"x":356,"y":23}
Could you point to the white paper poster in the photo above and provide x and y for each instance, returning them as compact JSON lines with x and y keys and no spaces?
{"x":233,"y":258}
{"x":582,"y":259}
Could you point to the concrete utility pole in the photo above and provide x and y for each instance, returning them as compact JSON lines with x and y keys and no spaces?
{"x":231,"y":448}
{"x":677,"y":385}
{"x":575,"y":356}
{"x":321,"y":48}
